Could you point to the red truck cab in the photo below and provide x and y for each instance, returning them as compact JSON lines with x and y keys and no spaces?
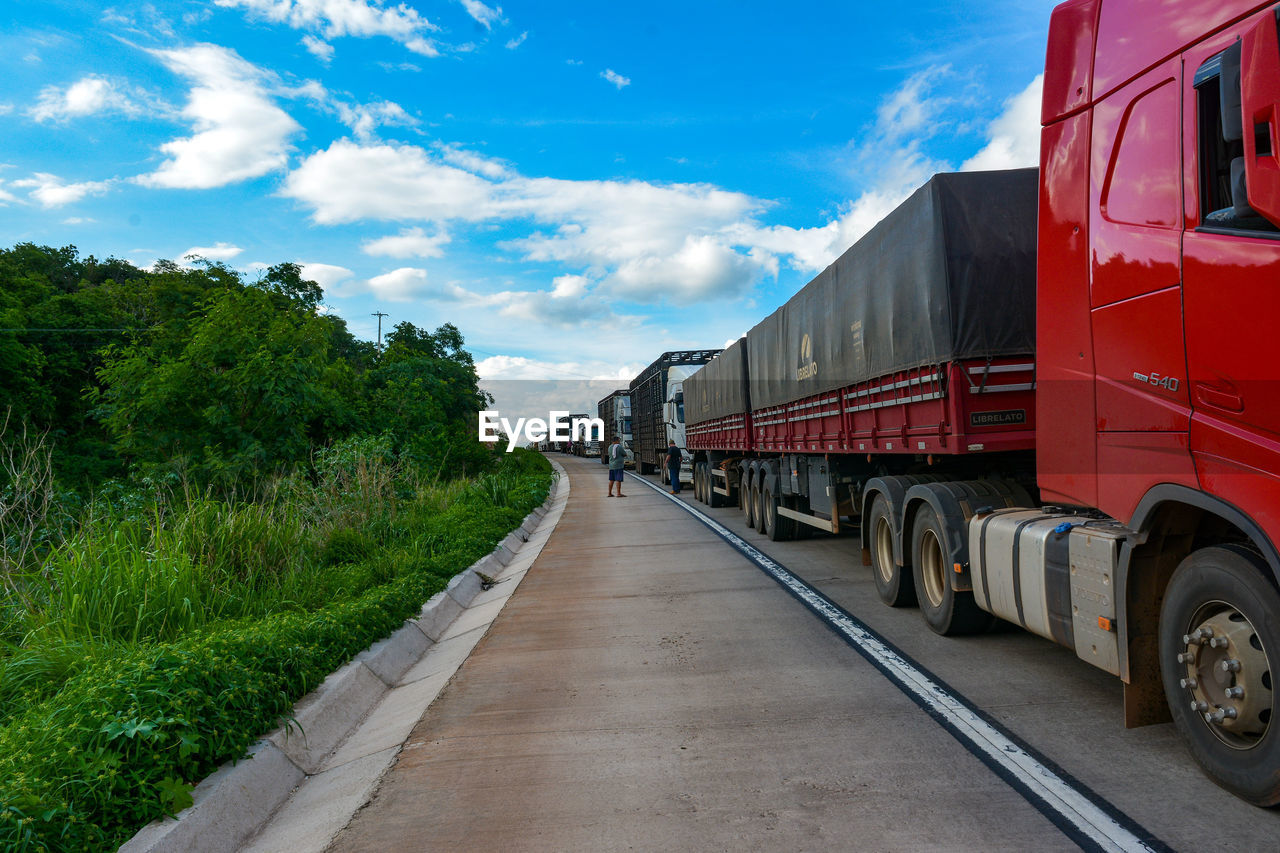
{"x":1158,"y":287}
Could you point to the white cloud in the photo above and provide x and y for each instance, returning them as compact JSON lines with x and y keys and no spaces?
{"x":347,"y":182}
{"x":328,"y":276}
{"x":660,"y":240}
{"x":569,"y":286}
{"x":705,"y":266}
{"x":319,"y":48}
{"x":409,"y":243}
{"x":543,"y":308}
{"x":911,"y":106}
{"x":216,"y":252}
{"x":483,"y":15}
{"x":240,"y":132}
{"x":89,"y":95}
{"x":615,"y":78}
{"x":472,"y":162}
{"x":1014,"y":136}
{"x":336,"y":18}
{"x":512,"y":44}
{"x":573,"y":62}
{"x":398,"y":66}
{"x":78,"y":220}
{"x":50,"y":190}
{"x":604,"y":377}
{"x":5,"y":109}
{"x":402,"y":285}
{"x":365,"y":119}
{"x":5,"y":196}
{"x":633,"y":240}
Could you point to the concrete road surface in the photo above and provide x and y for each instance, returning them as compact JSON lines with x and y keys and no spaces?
{"x":647,"y":687}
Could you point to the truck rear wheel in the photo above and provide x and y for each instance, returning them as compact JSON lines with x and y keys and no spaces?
{"x":1217,"y":632}
{"x":894,"y":583}
{"x":744,"y":499}
{"x":776,"y":526}
{"x":945,"y":610}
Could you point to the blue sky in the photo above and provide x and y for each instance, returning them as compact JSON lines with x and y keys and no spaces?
{"x":577,"y":186}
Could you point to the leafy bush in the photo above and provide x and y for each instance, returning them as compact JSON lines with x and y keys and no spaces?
{"x":135,"y":724}
{"x":345,"y":545}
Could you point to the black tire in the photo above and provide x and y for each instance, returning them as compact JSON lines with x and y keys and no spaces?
{"x":1226,"y":589}
{"x":894,"y":584}
{"x":945,"y":610}
{"x":700,"y":482}
{"x":744,"y":498}
{"x":780,"y":528}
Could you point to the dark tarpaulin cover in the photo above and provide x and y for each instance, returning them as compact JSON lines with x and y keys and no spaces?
{"x":719,"y":388}
{"x":949,"y":274}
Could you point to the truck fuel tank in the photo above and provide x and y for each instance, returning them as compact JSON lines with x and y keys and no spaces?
{"x":1052,"y":573}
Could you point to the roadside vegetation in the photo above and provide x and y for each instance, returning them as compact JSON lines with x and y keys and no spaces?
{"x":211,"y":496}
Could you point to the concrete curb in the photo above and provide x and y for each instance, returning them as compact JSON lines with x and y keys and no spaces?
{"x":229,"y":805}
{"x":234,"y":804}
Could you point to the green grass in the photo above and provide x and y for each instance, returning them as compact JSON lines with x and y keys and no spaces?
{"x":160,"y":640}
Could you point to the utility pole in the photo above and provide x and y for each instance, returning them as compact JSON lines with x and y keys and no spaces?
{"x":379,"y":315}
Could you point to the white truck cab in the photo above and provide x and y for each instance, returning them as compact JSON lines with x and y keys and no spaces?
{"x":673,"y":415}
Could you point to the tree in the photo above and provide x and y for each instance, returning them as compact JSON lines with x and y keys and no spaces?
{"x":237,"y":401}
{"x":426,"y":394}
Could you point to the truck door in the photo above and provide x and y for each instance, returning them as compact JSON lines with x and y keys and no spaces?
{"x":1135,"y":228}
{"x":1231,"y":291}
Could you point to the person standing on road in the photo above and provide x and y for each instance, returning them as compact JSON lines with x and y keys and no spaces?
{"x":617,"y":459}
{"x":674,"y":458}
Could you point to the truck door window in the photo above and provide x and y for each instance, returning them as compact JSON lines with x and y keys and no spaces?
{"x":680,"y":408}
{"x":1221,"y":149}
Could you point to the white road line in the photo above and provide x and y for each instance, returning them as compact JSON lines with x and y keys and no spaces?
{"x":1064,"y":799}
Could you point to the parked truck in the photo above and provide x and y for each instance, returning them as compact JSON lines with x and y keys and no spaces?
{"x":615,"y":411}
{"x":657,"y":409}
{"x":1049,"y":396}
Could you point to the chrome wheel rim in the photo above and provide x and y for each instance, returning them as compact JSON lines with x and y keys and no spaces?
{"x":1226,"y":674}
{"x":932,"y":567}
{"x":883,"y":538}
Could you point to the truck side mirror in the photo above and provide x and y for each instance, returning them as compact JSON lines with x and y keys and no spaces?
{"x":1260,"y":99}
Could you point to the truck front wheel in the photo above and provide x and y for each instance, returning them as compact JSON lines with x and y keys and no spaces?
{"x":1217,"y":632}
{"x":894,"y":583}
{"x":945,"y":610}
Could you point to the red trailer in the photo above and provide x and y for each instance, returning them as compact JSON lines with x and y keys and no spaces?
{"x":1144,"y":420}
